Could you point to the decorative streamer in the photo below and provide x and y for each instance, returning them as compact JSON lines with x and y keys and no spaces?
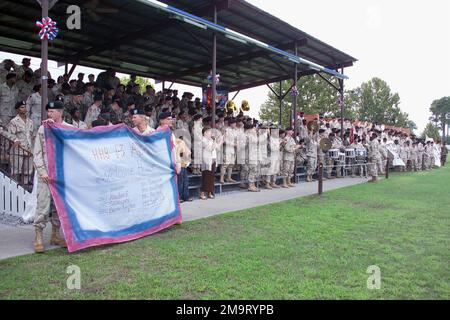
{"x":48,"y":30}
{"x":294,"y":92}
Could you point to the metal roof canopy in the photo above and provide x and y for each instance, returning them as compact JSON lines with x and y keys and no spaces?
{"x":134,"y":37}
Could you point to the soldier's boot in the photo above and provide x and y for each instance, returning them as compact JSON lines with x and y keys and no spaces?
{"x":329,"y":175}
{"x":38,"y":244}
{"x":56,"y":239}
{"x":289,"y":183}
{"x":243,"y":186}
{"x":253,"y":188}
{"x":374,"y":179}
{"x":229,"y":178}
{"x":221,"y":181}
{"x":309,"y":178}
{"x":284,"y":185}
{"x":274,"y":185}
{"x":268,"y":186}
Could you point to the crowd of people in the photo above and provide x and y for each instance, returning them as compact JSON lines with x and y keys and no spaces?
{"x":260,"y":153}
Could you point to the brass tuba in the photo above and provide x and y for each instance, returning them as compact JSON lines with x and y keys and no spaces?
{"x":231,"y":106}
{"x":245,"y":106}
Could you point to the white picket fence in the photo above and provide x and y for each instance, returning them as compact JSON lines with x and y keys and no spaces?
{"x":12,"y":197}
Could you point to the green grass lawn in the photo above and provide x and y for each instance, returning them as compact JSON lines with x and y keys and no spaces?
{"x":307,"y":248}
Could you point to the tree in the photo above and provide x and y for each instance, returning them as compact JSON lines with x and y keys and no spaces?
{"x":315,"y":96}
{"x":439,"y":109}
{"x":411,"y":125}
{"x":431,"y":131}
{"x":373,"y":101}
{"x":142,"y":82}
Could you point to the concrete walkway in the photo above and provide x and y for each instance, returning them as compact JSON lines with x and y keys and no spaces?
{"x":17,"y":241}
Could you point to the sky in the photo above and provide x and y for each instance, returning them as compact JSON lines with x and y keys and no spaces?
{"x":405,"y":43}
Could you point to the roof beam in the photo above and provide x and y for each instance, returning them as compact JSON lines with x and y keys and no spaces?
{"x":144,"y":32}
{"x":284,"y":35}
{"x":264,"y":82}
{"x":233,"y":60}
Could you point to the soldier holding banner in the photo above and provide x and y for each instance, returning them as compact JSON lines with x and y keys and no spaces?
{"x":45,"y":203}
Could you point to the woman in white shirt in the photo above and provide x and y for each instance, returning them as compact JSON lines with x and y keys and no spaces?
{"x":209,"y":157}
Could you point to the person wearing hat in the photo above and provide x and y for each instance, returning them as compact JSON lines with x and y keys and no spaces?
{"x":330,"y":162}
{"x":116,"y":113}
{"x":26,"y":62}
{"x":45,"y":203}
{"x":275,"y":158}
{"x":34,"y":107}
{"x":88,"y":99}
{"x":289,"y":147}
{"x":428,"y":156}
{"x":9,"y":95}
{"x":107,"y":79}
{"x":149,"y":96}
{"x":321,"y":155}
{"x":75,"y":102}
{"x":373,"y":154}
{"x":384,"y":154}
{"x":80,"y":82}
{"x":7,"y":66}
{"x":128,"y":115}
{"x":94,"y":110}
{"x":420,"y":156}
{"x":312,"y":146}
{"x":264,"y":155}
{"x":249,"y":171}
{"x":414,"y":155}
{"x":403,"y":154}
{"x":183,"y":121}
{"x":197,"y":136}
{"x":25,"y":85}
{"x":21,"y":132}
{"x":338,"y":144}
{"x":166,"y":121}
{"x":444,"y":153}
{"x":229,"y":160}
{"x":220,"y":124}
{"x":140,"y":122}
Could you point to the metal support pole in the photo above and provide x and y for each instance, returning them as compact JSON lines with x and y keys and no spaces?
{"x":72,"y":69}
{"x":341,"y":93}
{"x":44,"y":63}
{"x":234,"y":97}
{"x":295,"y":110}
{"x":295,"y":86}
{"x":66,"y":68}
{"x":214,"y":70}
{"x":320,"y":178}
{"x":280,"y":124}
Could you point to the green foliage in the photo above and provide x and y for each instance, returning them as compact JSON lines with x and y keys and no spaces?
{"x":439,"y":109}
{"x":305,"y":248}
{"x":431,"y":131}
{"x":315,"y":96}
{"x":373,"y":101}
{"x":142,"y":82}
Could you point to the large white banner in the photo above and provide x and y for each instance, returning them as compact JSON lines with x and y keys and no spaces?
{"x":397,"y":161}
{"x":111,"y":184}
